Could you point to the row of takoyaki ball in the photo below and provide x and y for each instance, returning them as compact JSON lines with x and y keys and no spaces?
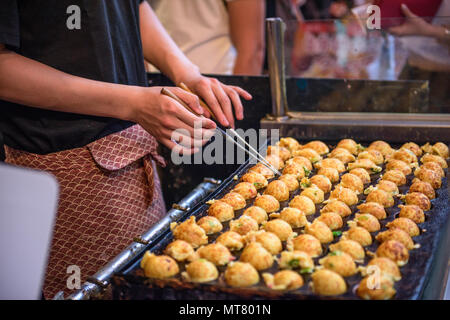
{"x":260,"y":246}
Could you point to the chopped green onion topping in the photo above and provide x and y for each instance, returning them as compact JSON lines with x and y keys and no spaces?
{"x":294,"y":263}
{"x":337,"y":233}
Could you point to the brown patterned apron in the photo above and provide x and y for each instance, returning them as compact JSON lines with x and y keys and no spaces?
{"x":109,"y":194}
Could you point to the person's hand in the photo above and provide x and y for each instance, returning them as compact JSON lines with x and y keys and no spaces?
{"x":161,"y":115}
{"x":413,"y":25}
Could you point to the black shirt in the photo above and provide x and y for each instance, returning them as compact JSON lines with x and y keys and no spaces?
{"x":107,"y":47}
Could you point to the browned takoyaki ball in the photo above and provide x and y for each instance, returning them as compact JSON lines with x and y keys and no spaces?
{"x":319,"y":230}
{"x":352,"y":248}
{"x":337,"y":206}
{"x":332,"y":219}
{"x":283,"y":280}
{"x":429,"y":176}
{"x":278,"y":189}
{"x":367,"y":221}
{"x":216,"y":253}
{"x":257,"y":179}
{"x":296,"y":260}
{"x":295,"y":169}
{"x":388,"y":186}
{"x":291,"y":181}
{"x":210,"y":224}
{"x":411,"y":146}
{"x":255,"y":254}
{"x":339,"y":262}
{"x":262,"y":169}
{"x":200,"y":271}
{"x":314,"y":193}
{"x":282,"y":152}
{"x":318,"y":146}
{"x":235,"y":200}
{"x":350,"y":145}
{"x":295,"y":217}
{"x":342,"y":154}
{"x":362,"y":174}
{"x":393,"y":250}
{"x":398,"y":235}
{"x":322,"y":182}
{"x":280,"y":228}
{"x":180,"y":250}
{"x":423,"y":187}
{"x":406,"y":225}
{"x":267,"y":202}
{"x":241,"y":274}
{"x":386,"y":267}
{"x":304,"y":204}
{"x":419,"y":199}
{"x":257,"y":213}
{"x":275,"y":161}
{"x":246,"y":189}
{"x":396,"y":176}
{"x":372,"y":154}
{"x":405,"y":155}
{"x":307,"y":243}
{"x":358,"y":234}
{"x":366,"y":164}
{"x":434,"y":166}
{"x":331,"y":163}
{"x":373,"y":208}
{"x":381,"y":197}
{"x":383,"y":147}
{"x":302,"y":161}
{"x":232,"y":240}
{"x":190,"y":232}
{"x":413,"y":212}
{"x":395,"y":164}
{"x":328,"y":283}
{"x":370,"y":289}
{"x":346,"y":195}
{"x":330,"y":173}
{"x":158,"y":267}
{"x":221,"y":210}
{"x":243,"y":225}
{"x":433,"y":158}
{"x":309,"y":154}
{"x":268,"y":240}
{"x":290,"y":143}
{"x":352,"y":182}
{"x":441,"y":149}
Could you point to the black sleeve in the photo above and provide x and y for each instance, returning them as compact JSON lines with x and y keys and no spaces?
{"x":9,"y":23}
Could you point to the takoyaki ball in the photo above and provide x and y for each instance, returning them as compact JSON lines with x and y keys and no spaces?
{"x":331,"y":219}
{"x":358,"y":234}
{"x":210,"y":224}
{"x":278,"y":189}
{"x":366,"y":164}
{"x":262,"y":169}
{"x":257,"y":213}
{"x":314,"y":193}
{"x":350,"y":145}
{"x":294,"y":169}
{"x":322,"y":182}
{"x":216,"y":253}
{"x":291,"y":181}
{"x":413,"y":212}
{"x":241,"y":274}
{"x":280,"y":228}
{"x":268,"y":240}
{"x":243,"y":225}
{"x":352,"y":248}
{"x":232,"y":240}
{"x":235,"y":200}
{"x":372,"y":154}
{"x":282,"y":152}
{"x":423,"y":187}
{"x":369,"y":289}
{"x":346,"y":195}
{"x":295,"y":217}
{"x":328,"y":283}
{"x":180,"y":250}
{"x":405,"y":155}
{"x":373,"y":208}
{"x":388,"y":186}
{"x":330,"y":173}
{"x":382,"y":197}
{"x":342,"y":154}
{"x":318,"y":146}
{"x":255,"y":254}
{"x":200,"y":271}
{"x":337,"y":206}
{"x":246,"y":189}
{"x":395,"y":164}
{"x":396,"y":176}
{"x":413,"y":147}
{"x":398,"y":235}
{"x":406,"y":225}
{"x":221,"y":210}
{"x":386,"y":267}
{"x":441,"y":149}
{"x":257,"y":179}
{"x":434,"y":166}
{"x":383,"y":147}
{"x":283,"y":280}
{"x":296,"y":260}
{"x":304,"y":204}
{"x":339,"y":262}
{"x":429,"y":176}
{"x":433,"y":158}
{"x":290,"y":143}
{"x":302,"y":161}
{"x":362,"y":174}
{"x":367,"y":221}
{"x":267,"y":202}
{"x":159,"y":267}
{"x":309,"y":154}
{"x":352,"y":182}
{"x":190,"y":232}
{"x":331,"y":163}
{"x":394,"y":250}
{"x":307,"y":243}
{"x":319,"y":230}
{"x":275,"y":161}
{"x":419,"y":199}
